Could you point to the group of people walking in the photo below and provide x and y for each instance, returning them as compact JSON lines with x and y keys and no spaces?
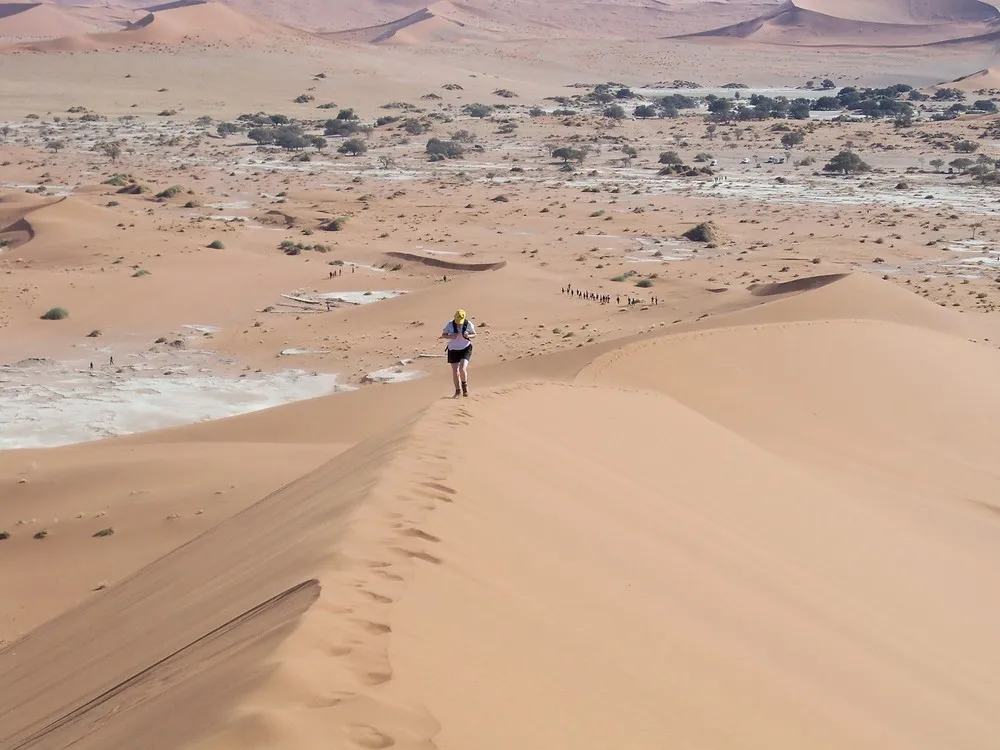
{"x":605,"y":299}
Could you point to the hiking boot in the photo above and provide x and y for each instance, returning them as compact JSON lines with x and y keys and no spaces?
{"x":457,"y":393}
{"x":465,"y":389}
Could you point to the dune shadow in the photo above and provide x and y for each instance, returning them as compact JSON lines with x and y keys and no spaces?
{"x":795,"y":285}
{"x":451,"y":265}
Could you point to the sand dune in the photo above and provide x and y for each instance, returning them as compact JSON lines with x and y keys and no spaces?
{"x":898,"y":24}
{"x":39,"y":21}
{"x":988,"y":78}
{"x":825,"y":590}
{"x":63,"y":225}
{"x":178,"y":23}
{"x":904,"y":11}
{"x":440,"y":22}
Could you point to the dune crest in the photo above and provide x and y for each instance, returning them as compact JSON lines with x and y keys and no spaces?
{"x":900,"y":23}
{"x":438,"y":22}
{"x":174,"y":24}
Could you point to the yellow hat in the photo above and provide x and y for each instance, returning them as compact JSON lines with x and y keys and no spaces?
{"x":460,"y":315}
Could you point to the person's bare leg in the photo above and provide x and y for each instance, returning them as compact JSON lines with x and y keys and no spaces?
{"x":454,"y":376}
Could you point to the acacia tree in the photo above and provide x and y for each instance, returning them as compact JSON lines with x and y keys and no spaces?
{"x":847,"y":162}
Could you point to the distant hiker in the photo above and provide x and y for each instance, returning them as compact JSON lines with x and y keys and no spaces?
{"x":112,"y":361}
{"x":331,"y":274}
{"x":91,"y":365}
{"x":459,"y":331}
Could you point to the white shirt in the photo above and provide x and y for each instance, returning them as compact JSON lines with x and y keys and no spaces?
{"x":459,"y":342}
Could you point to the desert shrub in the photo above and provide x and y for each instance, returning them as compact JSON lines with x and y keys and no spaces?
{"x":477,"y":110}
{"x":670,"y":158}
{"x":171,"y":192}
{"x":438,"y":150}
{"x":105,"y":532}
{"x":56,"y":313}
{"x":334,"y":225}
{"x":353,"y":146}
{"x":119,"y":180}
{"x":217,"y":245}
{"x":414,"y":126}
{"x":4,"y":535}
{"x":140,"y":272}
{"x":94,"y":334}
{"x":228,"y":128}
{"x":644,"y":283}
{"x":704,"y":232}
{"x":340,"y":127}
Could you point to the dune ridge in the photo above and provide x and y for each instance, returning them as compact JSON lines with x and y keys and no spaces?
{"x":174,"y":24}
{"x":438,"y":22}
{"x":818,"y":23}
{"x":352,"y":604}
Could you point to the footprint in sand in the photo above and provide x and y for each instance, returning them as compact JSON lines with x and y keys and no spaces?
{"x":378,"y":597}
{"x":440,"y":488}
{"x":376,"y":678}
{"x":425,"y":556}
{"x":376,"y":628}
{"x":369,"y":737}
{"x":418,"y":534}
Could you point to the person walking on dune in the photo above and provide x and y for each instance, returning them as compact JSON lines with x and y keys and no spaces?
{"x":459,"y":331}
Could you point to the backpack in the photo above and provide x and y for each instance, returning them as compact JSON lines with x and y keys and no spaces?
{"x":454,"y":327}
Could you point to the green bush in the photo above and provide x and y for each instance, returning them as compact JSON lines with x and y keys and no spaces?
{"x":56,"y":313}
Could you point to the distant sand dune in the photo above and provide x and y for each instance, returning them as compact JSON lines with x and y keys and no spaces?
{"x":173,"y":24}
{"x":439,"y":22}
{"x":899,"y":23}
{"x":39,"y":21}
{"x":988,"y":78}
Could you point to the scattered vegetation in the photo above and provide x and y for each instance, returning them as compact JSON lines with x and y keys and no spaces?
{"x":439,"y":150}
{"x":704,"y":232}
{"x":56,"y":313}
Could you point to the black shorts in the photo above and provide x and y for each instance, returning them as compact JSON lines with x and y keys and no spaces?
{"x":457,"y":355}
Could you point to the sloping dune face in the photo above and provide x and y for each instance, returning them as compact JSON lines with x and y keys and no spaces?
{"x":39,"y":21}
{"x":777,"y":534}
{"x":895,"y":23}
{"x":903,"y":11}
